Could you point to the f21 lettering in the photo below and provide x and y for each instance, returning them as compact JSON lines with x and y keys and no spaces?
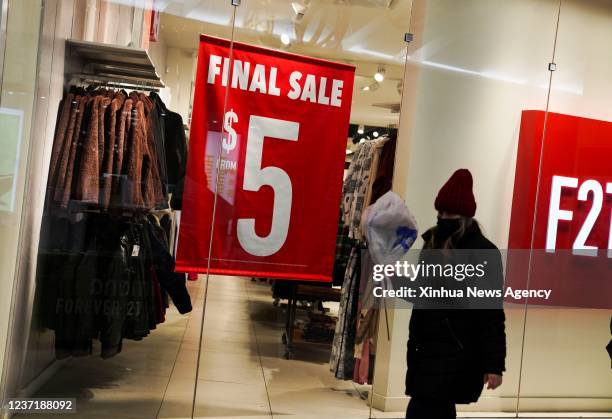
{"x":556,"y":214}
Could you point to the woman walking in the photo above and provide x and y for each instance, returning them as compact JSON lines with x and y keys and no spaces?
{"x":453,"y":353}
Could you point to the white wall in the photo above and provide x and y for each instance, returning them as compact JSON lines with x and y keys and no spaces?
{"x":474,"y":66}
{"x":180,"y":74}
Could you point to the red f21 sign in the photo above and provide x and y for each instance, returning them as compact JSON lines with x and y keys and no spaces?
{"x":572,"y":235}
{"x":268,"y":136}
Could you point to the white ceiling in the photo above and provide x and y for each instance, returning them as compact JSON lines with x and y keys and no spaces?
{"x":365,"y":33}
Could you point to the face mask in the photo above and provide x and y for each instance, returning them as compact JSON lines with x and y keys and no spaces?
{"x":448,"y":226}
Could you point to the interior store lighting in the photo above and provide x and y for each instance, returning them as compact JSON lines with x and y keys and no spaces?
{"x":285,"y":39}
{"x":360,"y":129}
{"x":379,"y":76}
{"x":375,"y":134}
{"x":300,"y":8}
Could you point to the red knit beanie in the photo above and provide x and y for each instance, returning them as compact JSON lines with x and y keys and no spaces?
{"x":456,"y":196}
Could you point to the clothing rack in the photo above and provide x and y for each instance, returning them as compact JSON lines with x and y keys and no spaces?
{"x":110,"y":66}
{"x":369,"y":134}
{"x":122,"y":83}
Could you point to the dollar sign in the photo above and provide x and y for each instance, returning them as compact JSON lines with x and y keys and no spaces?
{"x":229,"y":140}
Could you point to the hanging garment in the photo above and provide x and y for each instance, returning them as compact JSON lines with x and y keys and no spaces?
{"x":63,"y":186}
{"x":109,"y":286}
{"x":87,"y":186}
{"x":352,"y":180}
{"x":376,"y":150}
{"x":175,"y":150}
{"x":384,"y":173}
{"x":366,"y":323}
{"x":105,"y":269}
{"x":107,"y":154}
{"x":344,"y":245}
{"x":114,"y":115}
{"x":342,"y":361}
{"x":63,"y":119}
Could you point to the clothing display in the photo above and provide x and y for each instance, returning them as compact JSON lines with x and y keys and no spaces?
{"x":344,"y":245}
{"x":366,"y":325}
{"x":105,"y":154}
{"x":366,"y":180}
{"x":383,"y":180}
{"x":174,"y":143}
{"x":105,"y":265}
{"x":355,"y":185}
{"x":364,"y":172}
{"x":342,"y":360}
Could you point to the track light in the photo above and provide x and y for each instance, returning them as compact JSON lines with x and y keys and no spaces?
{"x":375,"y":134}
{"x":360,"y":129}
{"x":300,"y":8}
{"x":285,"y":39}
{"x":379,"y":76}
{"x":366,"y":88}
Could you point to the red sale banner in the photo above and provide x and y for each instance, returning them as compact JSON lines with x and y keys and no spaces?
{"x":571,"y":209}
{"x":266,"y":158}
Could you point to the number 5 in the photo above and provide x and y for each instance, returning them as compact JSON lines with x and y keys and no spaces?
{"x":255,"y":177}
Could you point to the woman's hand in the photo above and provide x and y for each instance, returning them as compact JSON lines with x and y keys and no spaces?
{"x":492,"y":381}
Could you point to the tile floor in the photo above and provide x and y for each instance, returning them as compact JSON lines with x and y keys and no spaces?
{"x":242,"y":370}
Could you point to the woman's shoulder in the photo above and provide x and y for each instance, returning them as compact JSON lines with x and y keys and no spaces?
{"x":475,"y":239}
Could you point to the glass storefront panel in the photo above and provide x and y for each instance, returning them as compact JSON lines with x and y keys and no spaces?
{"x":471,"y":74}
{"x":100,"y":317}
{"x":204,"y":246}
{"x":20,"y":29}
{"x":565,"y":362}
{"x":271,"y":327}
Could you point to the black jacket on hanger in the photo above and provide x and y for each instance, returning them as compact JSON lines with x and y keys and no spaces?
{"x":175,"y":146}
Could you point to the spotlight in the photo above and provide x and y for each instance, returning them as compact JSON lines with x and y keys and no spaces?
{"x":285,"y":39}
{"x":375,"y":134}
{"x":360,"y":129}
{"x":366,"y":88}
{"x":300,"y":8}
{"x":380,"y":74}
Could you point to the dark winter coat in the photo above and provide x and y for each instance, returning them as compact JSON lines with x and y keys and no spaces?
{"x":175,"y":150}
{"x":449,"y":351}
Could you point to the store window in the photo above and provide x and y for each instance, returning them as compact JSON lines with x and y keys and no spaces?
{"x":20,"y":29}
{"x":469,"y":76}
{"x":196,"y":195}
{"x":321,"y":84}
{"x":565,"y":363}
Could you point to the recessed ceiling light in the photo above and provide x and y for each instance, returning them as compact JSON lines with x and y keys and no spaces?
{"x":375,"y":134}
{"x":285,"y":39}
{"x":366,"y":88}
{"x":360,"y":130}
{"x":380,"y":75}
